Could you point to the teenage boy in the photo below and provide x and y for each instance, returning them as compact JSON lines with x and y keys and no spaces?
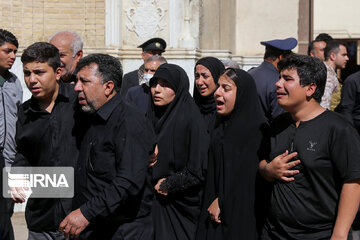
{"x":315,"y":163}
{"x":46,"y":134}
{"x":10,"y":100}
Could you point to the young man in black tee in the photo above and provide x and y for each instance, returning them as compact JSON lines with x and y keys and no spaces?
{"x":315,"y":163}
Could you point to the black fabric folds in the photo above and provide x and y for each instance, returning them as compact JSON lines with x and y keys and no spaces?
{"x":207,"y":104}
{"x":183,"y":153}
{"x":237,"y":145}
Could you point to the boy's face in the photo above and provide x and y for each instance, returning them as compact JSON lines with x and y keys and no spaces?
{"x":291,"y":96}
{"x":7,"y":55}
{"x":41,"y":80}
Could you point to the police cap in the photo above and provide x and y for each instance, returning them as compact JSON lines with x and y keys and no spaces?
{"x":156,"y":44}
{"x":282,"y":44}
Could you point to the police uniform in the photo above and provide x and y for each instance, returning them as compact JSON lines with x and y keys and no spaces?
{"x":266,"y":75}
{"x":131,"y":79}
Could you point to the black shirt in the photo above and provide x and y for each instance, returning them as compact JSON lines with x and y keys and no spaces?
{"x":48,"y":139}
{"x":350,"y":99}
{"x":329,"y":150}
{"x":140,"y":97}
{"x":110,"y":179}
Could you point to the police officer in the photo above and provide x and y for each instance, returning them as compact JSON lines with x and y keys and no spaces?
{"x":267,"y":74}
{"x":152,"y":47}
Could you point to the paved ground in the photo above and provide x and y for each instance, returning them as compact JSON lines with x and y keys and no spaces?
{"x":19,"y":225}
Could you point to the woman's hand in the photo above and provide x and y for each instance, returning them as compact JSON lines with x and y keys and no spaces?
{"x":214,"y":211}
{"x":158,"y":189}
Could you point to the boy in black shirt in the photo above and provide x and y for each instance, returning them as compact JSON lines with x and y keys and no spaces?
{"x":315,"y":166}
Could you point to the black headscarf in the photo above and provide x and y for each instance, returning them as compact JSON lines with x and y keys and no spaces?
{"x":207,"y":104}
{"x":236,"y":149}
{"x":183,"y":153}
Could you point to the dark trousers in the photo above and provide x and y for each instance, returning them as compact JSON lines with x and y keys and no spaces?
{"x":6,"y":208}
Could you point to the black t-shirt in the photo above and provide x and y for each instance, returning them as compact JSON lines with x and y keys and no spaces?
{"x":329,"y":149}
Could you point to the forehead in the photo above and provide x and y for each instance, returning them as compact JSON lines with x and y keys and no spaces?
{"x":320,"y":44}
{"x":62,"y":42}
{"x":342,"y":48}
{"x":290,"y":71}
{"x":152,"y":64}
{"x":89,"y":70}
{"x":201,"y":68}
{"x":8,"y":45}
{"x":224,"y":79}
{"x":36,"y":65}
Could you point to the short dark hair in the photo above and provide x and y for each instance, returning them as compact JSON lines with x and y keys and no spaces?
{"x":324,"y":37}
{"x":311,"y":47}
{"x":6,"y":36}
{"x":42,"y":52}
{"x":108,"y":67}
{"x":332,"y":47}
{"x":309,"y":69}
{"x":272,"y":53}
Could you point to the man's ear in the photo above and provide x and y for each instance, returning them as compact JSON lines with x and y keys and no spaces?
{"x":109,"y":88}
{"x":310,"y":90}
{"x":332,"y":56}
{"x":78,"y":55}
{"x":58,"y":72}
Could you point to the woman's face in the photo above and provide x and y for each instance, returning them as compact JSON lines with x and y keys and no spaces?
{"x":225,"y":95}
{"x":162,"y":93}
{"x":204,"y":81}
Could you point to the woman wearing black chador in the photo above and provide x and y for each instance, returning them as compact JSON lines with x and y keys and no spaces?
{"x":179,"y":173}
{"x":207,"y":72}
{"x":228,"y":210}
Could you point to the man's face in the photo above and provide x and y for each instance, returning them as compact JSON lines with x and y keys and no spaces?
{"x":90,"y":89}
{"x":147,"y":54}
{"x":41,"y":80}
{"x":7,"y":55}
{"x":151,"y":67}
{"x":341,"y":58}
{"x":319,"y":50}
{"x":291,"y":96}
{"x":68,"y":62}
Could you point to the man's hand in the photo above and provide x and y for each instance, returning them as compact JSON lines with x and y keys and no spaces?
{"x":17,"y":194}
{"x":153,"y":156}
{"x":73,"y":224}
{"x":214,"y":211}
{"x":158,"y":189}
{"x":279,"y":167}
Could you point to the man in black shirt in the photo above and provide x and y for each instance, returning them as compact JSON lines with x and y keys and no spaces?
{"x":315,"y":166}
{"x":112,"y":197}
{"x":350,"y":99}
{"x":46,"y":133}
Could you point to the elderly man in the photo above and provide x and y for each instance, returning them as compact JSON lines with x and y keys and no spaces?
{"x":70,"y":46}
{"x":113,"y":196}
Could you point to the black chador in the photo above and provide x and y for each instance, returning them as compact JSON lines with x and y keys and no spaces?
{"x":232,"y":172}
{"x":183,"y":151}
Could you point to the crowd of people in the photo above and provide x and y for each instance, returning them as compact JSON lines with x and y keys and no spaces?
{"x":249,"y":155}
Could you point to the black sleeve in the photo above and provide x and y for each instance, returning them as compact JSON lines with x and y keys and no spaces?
{"x":348,"y":98}
{"x":345,"y":152}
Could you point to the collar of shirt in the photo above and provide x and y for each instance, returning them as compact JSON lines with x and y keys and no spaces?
{"x":105,"y":111}
{"x":269,"y":65}
{"x":63,"y":96}
{"x":330,"y":69}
